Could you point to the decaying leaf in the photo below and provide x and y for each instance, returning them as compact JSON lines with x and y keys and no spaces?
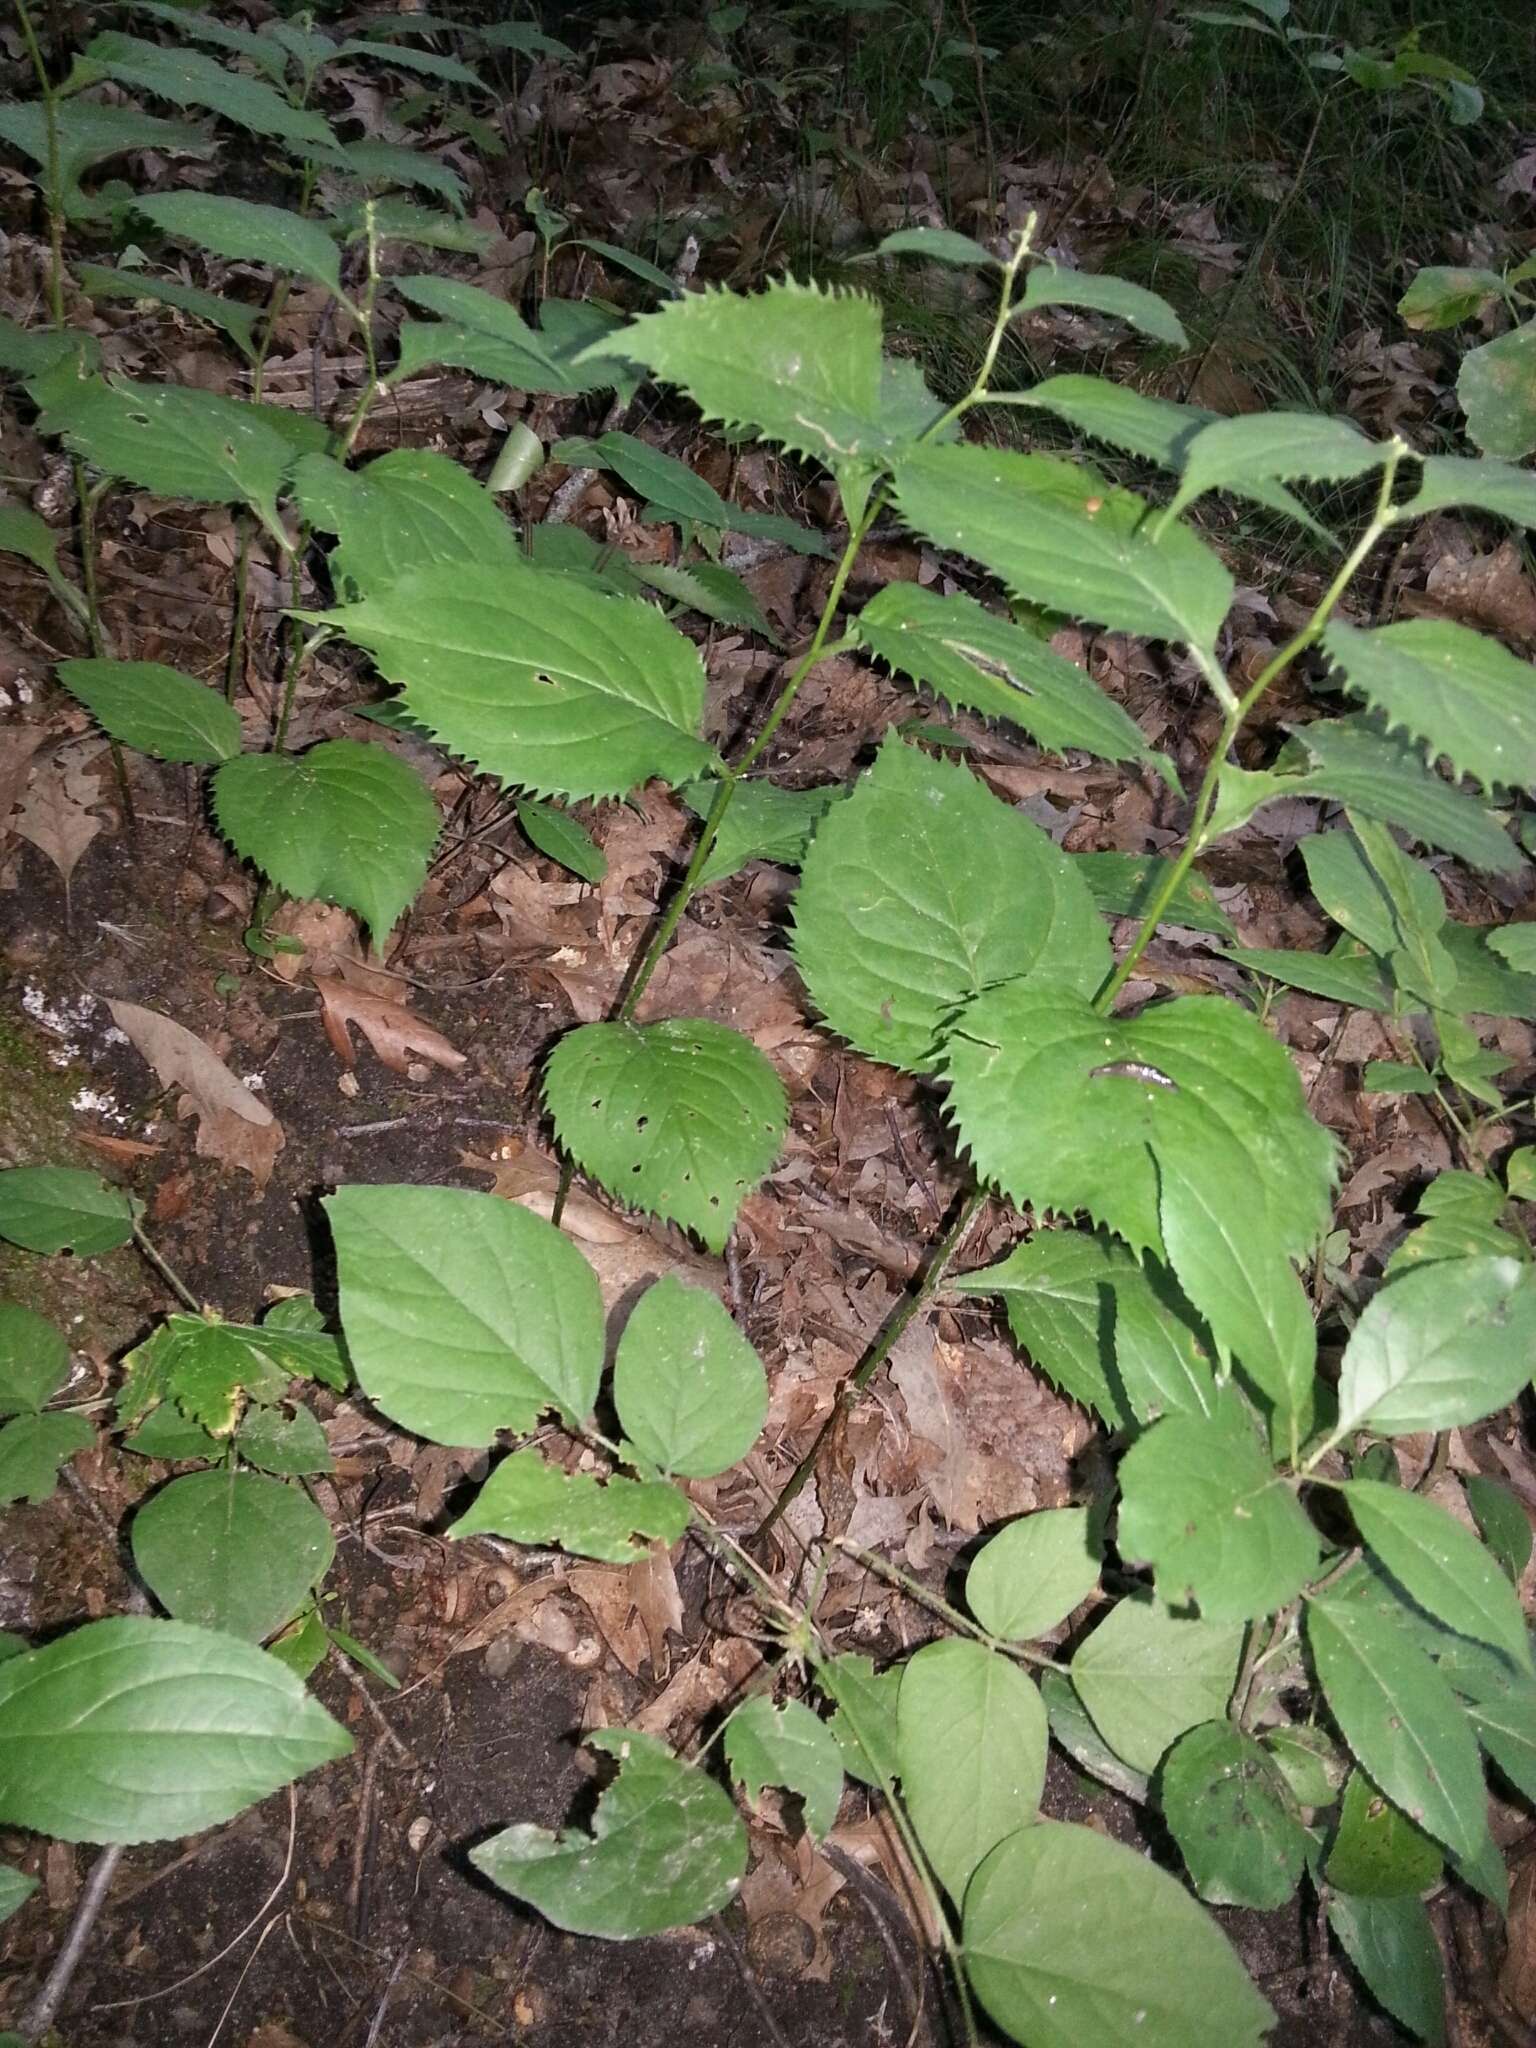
{"x":18,"y":744}
{"x":389,"y":1027}
{"x":56,"y":815}
{"x":234,"y":1125}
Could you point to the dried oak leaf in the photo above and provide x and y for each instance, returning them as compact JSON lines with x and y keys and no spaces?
{"x":56,"y":815}
{"x":388,"y":1026}
{"x":18,"y":744}
{"x":234,"y":1126}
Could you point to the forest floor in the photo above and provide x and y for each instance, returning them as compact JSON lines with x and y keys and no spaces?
{"x":345,"y":1913}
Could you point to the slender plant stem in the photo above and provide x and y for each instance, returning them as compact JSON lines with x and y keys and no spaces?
{"x":40,"y":2015}
{"x":167,"y":1272}
{"x":1236,"y":710}
{"x":853,"y":1387}
{"x":54,"y":169}
{"x":926,"y":1597}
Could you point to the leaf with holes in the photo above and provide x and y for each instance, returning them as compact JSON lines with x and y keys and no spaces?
{"x":529,"y":1501}
{"x":189,"y":79}
{"x":789,"y":1746}
{"x":1443,"y":295}
{"x":1068,"y":1939}
{"x":233,"y":1551}
{"x":1201,"y":1500}
{"x":1443,"y":1346}
{"x":1376,"y":1848}
{"x":666,"y":1849}
{"x":1054,"y":284}
{"x":1068,"y":1110}
{"x":1234,"y":1818}
{"x":1459,"y":692}
{"x":797,"y":365}
{"x":243,"y":231}
{"x":682,"y":1118}
{"x":688,"y":1387}
{"x":63,"y":1209}
{"x":971,"y":1739}
{"x":344,"y":823}
{"x":1272,"y":447}
{"x":1146,"y":1675}
{"x":402,"y":511}
{"x":464,"y":1315}
{"x":523,"y":673}
{"x":922,"y":888}
{"x":133,"y":1730}
{"x":978,"y":662}
{"x":154,"y":708}
{"x":175,"y":442}
{"x":1401,"y":1720}
{"x":1059,"y":535}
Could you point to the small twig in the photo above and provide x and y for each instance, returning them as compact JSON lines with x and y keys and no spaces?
{"x":41,"y":2013}
{"x":878,"y":1903}
{"x":377,"y":2023}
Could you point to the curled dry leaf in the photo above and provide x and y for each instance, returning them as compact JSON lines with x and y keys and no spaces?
{"x":234,"y":1126}
{"x":388,"y":1026}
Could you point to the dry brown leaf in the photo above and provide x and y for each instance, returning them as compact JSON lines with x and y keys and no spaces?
{"x":56,"y":816}
{"x":123,"y":1149}
{"x":605,"y":1591}
{"x":704,"y":1683}
{"x":330,"y":942}
{"x":1493,"y":591}
{"x":875,"y":1843}
{"x":1517,"y":1979}
{"x":389,"y":1027}
{"x":658,"y":1603}
{"x":17,"y":746}
{"x":790,"y":1883}
{"x":234,"y":1126}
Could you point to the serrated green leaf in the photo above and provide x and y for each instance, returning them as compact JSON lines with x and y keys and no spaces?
{"x":485,"y":335}
{"x":536,"y":680}
{"x":1443,"y":295}
{"x":343,"y":823}
{"x":88,"y":134}
{"x":1030,"y":1576}
{"x":1067,"y":1110}
{"x":243,"y":231}
{"x":38,"y":353}
{"x":63,"y":1209}
{"x":238,"y":321}
{"x":799,"y":366}
{"x":1401,"y":1720}
{"x":1441,"y":1563}
{"x":1123,"y":885}
{"x":464,"y":1315}
{"x":764,"y":822}
{"x":1496,"y":487}
{"x":1234,"y":1818}
{"x":556,"y":833}
{"x":1376,"y":1850}
{"x":427,"y":63}
{"x":1502,"y":1522}
{"x":1348,"y":974}
{"x":392,"y":163}
{"x":530,"y":1501}
{"x":391,"y":219}
{"x":666,"y":1849}
{"x":1058,"y":1976}
{"x":709,"y":589}
{"x":263,"y":51}
{"x":1054,"y":284}
{"x":154,"y":708}
{"x":23,"y":533}
{"x":1114,"y":1333}
{"x":133,"y":1730}
{"x":1201,"y":1499}
{"x":401,"y":512}
{"x":1059,"y":535}
{"x":789,"y":1746}
{"x":173,"y":441}
{"x":977,"y":662}
{"x":681,"y":1118}
{"x":688,"y":1387}
{"x":1385,"y":779}
{"x":1516,"y":944}
{"x":1439,"y":1348}
{"x":289,"y":1446}
{"x":1391,"y":1942}
{"x":34,"y":1359}
{"x":1485,"y":983}
{"x":189,"y":79}
{"x":1146,"y":1675}
{"x":233,"y":1551}
{"x":1271,"y":447}
{"x":971,"y":1740}
{"x":33,"y":1447}
{"x":1459,"y":692}
{"x":938,"y":245}
{"x":1497,"y":389}
{"x":864,"y":1726}
{"x":920,"y":889}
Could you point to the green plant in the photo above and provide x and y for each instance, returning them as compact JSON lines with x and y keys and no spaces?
{"x":1496,"y":383}
{"x":1302,"y":1663}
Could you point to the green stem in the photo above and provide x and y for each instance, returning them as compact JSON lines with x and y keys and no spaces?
{"x":1236,"y":710}
{"x":55,"y":175}
{"x":853,"y":1387}
{"x":926,"y":1597}
{"x":182,"y":1292}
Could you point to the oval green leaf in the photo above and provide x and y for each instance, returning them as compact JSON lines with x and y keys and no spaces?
{"x":232,"y":1551}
